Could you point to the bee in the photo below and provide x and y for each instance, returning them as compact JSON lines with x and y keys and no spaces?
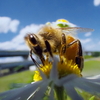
{"x":51,"y":41}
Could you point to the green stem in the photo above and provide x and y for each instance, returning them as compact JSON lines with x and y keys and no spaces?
{"x":59,"y":93}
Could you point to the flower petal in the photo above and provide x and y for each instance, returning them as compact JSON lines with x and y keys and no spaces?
{"x":95,"y":78}
{"x":40,"y":93}
{"x":20,"y":93}
{"x":66,"y":79}
{"x":54,"y":72}
{"x":72,"y":92}
{"x":87,"y":85}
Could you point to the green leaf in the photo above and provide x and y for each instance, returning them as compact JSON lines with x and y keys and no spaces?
{"x":92,"y":98}
{"x":62,"y":25}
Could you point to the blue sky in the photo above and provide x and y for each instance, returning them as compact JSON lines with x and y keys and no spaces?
{"x":19,"y":17}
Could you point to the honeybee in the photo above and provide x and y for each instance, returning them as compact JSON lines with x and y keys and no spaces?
{"x":51,"y":41}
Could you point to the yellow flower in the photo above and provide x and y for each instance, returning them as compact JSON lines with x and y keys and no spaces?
{"x":64,"y":68}
{"x":68,"y":67}
{"x":62,"y":20}
{"x":45,"y":69}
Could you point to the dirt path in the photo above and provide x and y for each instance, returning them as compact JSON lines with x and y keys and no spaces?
{"x":95,"y":58}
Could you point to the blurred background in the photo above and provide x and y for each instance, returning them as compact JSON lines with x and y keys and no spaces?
{"x":20,"y":17}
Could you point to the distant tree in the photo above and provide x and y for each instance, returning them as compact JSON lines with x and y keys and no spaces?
{"x":96,"y":54}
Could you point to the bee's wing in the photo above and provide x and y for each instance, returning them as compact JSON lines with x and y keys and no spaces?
{"x":76,"y":30}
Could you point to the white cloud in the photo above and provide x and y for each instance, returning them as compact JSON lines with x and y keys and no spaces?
{"x":92,"y":47}
{"x":96,"y":2}
{"x":88,"y":34}
{"x":99,"y":42}
{"x":7,"y":24}
{"x":89,"y":45}
{"x":84,"y":41}
{"x":18,"y":43}
{"x":13,"y":25}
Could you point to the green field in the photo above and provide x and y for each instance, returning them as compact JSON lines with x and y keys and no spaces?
{"x":87,"y":56}
{"x":91,"y":67}
{"x":6,"y":82}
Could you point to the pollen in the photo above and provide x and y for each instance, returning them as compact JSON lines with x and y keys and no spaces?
{"x":68,"y":67}
{"x":64,"y":68}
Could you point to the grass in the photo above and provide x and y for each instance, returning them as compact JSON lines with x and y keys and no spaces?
{"x":91,"y":67}
{"x":21,"y":77}
{"x":87,"y":56}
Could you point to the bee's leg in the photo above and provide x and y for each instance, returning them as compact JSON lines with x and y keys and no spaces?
{"x":79,"y":59}
{"x":48,"y":47}
{"x":63,"y":44}
{"x":63,"y":47}
{"x":37,"y":50}
{"x":34,"y":59}
{"x":72,"y":43}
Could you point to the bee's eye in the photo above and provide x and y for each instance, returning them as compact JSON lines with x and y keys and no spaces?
{"x":33,"y":39}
